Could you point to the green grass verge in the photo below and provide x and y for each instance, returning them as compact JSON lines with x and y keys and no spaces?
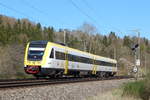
{"x":138,"y":89}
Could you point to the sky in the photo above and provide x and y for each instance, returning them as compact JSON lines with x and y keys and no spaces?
{"x":120,"y":16}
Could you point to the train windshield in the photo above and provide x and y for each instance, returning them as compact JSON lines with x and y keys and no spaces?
{"x":36,"y":50}
{"x":35,"y":54}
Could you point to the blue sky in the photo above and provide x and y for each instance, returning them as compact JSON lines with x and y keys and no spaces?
{"x":120,"y":16}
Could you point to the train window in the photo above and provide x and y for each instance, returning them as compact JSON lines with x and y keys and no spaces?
{"x":114,"y":65}
{"x":85,"y":60}
{"x":90,"y":61}
{"x":70,"y":57}
{"x":78,"y":59}
{"x":74,"y":58}
{"x":64,"y":56}
{"x":35,"y":55}
{"x":82,"y":59}
{"x":60,"y":55}
{"x":57,"y":55}
{"x":102,"y":63}
{"x":52,"y":53}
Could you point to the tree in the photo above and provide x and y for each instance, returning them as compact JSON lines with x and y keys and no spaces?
{"x":37,"y":32}
{"x":105,"y":41}
{"x":127,"y":41}
{"x":146,"y":42}
{"x":1,"y":20}
{"x":88,"y":28}
{"x":112,"y":37}
{"x":50,"y":32}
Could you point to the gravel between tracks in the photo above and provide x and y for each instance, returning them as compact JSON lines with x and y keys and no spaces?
{"x":71,"y":91}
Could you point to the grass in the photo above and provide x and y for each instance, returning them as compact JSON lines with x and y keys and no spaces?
{"x":115,"y":94}
{"x":133,"y":88}
{"x":138,"y":89}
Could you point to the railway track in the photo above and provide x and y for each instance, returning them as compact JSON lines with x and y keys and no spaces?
{"x":45,"y":81}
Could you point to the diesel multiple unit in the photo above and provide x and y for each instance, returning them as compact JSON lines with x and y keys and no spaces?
{"x":43,"y":58}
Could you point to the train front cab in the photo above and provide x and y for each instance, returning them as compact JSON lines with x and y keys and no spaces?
{"x":37,"y":55}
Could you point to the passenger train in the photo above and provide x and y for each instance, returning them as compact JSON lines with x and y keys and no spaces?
{"x":43,"y":58}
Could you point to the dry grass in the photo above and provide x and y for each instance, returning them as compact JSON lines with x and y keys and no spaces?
{"x":11,"y":62}
{"x":112,"y":95}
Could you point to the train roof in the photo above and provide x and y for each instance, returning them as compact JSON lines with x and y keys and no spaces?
{"x":97,"y":56}
{"x":61,"y":45}
{"x":39,"y":42}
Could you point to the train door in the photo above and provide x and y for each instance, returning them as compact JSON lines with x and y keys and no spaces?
{"x":94,"y":70}
{"x":66,"y":62}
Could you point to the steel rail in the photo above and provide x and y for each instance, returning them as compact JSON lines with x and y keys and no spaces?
{"x":34,"y":82}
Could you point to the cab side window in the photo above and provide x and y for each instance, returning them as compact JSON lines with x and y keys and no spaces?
{"x":52,"y":53}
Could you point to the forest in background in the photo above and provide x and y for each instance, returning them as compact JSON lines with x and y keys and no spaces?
{"x":15,"y":33}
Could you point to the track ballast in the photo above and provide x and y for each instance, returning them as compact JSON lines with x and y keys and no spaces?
{"x":11,"y":83}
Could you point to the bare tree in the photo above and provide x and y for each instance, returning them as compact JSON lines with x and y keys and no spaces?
{"x":90,"y":30}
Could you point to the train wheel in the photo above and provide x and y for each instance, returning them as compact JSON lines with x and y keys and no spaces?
{"x":102,"y":74}
{"x":76,"y":74}
{"x":107,"y":75}
{"x":53,"y":76}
